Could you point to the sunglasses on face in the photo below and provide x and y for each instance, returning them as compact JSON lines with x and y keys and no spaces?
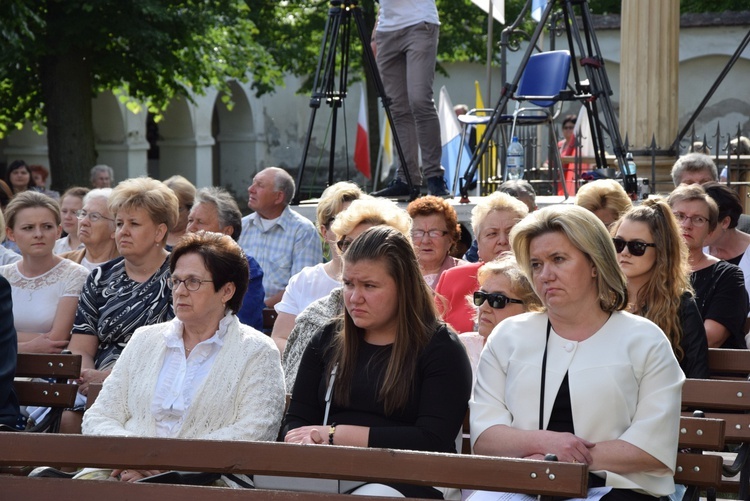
{"x":343,"y":244}
{"x":495,"y":299}
{"x":636,"y":248}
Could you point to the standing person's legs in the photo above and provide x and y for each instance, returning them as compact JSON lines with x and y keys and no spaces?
{"x":421,"y":55}
{"x":391,"y":61}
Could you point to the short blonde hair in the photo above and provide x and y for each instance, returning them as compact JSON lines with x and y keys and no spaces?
{"x":588,"y":234}
{"x":507,"y":266}
{"x":153,"y":196}
{"x":374,"y":211}
{"x":333,"y":199}
{"x":184,"y":189}
{"x":604,"y":194}
{"x":497,"y":201}
{"x":30,"y":199}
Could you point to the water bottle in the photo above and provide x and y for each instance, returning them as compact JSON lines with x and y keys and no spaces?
{"x":514,"y":160}
{"x":630,"y":165}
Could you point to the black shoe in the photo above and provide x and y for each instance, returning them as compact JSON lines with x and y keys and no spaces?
{"x":397,"y":189}
{"x":49,"y":472}
{"x":437,"y":187}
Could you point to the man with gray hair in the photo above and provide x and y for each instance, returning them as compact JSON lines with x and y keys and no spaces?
{"x":280,"y":239}
{"x":214,"y":209}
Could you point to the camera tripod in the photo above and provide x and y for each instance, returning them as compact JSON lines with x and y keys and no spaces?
{"x":333,"y":57}
{"x":594,"y":92}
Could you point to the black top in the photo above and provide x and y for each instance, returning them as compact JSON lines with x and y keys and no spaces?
{"x":9,"y":410}
{"x":432,"y":417}
{"x":694,"y":344}
{"x":721,"y":296}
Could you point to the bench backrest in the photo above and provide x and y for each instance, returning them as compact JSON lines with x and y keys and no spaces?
{"x":274,"y":458}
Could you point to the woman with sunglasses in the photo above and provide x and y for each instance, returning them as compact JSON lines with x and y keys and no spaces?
{"x":719,"y":286}
{"x":653,"y":258}
{"x":503,"y":292}
{"x":583,"y":379}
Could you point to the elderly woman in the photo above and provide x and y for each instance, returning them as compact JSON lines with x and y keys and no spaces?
{"x":96,"y":230}
{"x":348,"y":225}
{"x":130,"y":291}
{"x":102,"y":176}
{"x":719,"y":286}
{"x":653,"y":258}
{"x":314,"y":282}
{"x":491,"y":220}
{"x":504,"y":291}
{"x":202,"y":375}
{"x":583,"y":380}
{"x":216,"y":210}
{"x":70,"y":203}
{"x":434,"y":232}
{"x":401,"y":378}
{"x":185,"y":192}
{"x":606,"y":198}
{"x":45,"y":286}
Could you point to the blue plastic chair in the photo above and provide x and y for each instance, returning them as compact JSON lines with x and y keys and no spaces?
{"x":543,"y":84}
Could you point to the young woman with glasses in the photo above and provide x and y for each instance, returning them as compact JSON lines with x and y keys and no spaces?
{"x":719,"y":286}
{"x":653,"y":258}
{"x":503,"y":292}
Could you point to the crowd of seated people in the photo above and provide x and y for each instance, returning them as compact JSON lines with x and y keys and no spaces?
{"x":161,"y":291}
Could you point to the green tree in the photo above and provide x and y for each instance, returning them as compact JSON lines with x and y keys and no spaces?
{"x":55,"y":55}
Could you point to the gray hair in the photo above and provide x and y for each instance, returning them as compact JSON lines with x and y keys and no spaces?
{"x":693,"y":162}
{"x":283,"y":182}
{"x":102,"y":168}
{"x":226,"y":206}
{"x":97,"y":193}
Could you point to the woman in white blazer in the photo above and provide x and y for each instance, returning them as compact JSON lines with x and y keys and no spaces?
{"x":583,"y":380}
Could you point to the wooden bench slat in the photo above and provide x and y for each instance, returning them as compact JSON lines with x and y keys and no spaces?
{"x":725,"y":360}
{"x":270,"y":458}
{"x":716,"y":394}
{"x":702,"y":433}
{"x":50,"y":488}
{"x":698,"y":469}
{"x":736,"y":428}
{"x":65,"y":366}
{"x":45,"y":394}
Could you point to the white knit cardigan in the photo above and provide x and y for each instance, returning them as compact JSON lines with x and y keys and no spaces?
{"x":242,"y":398}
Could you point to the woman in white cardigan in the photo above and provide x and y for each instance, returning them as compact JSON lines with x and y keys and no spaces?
{"x":202,"y":375}
{"x":582,"y":380}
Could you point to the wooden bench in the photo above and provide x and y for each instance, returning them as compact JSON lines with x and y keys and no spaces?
{"x":269,"y":458}
{"x":729,"y":401}
{"x":58,"y":395}
{"x":725,"y":363}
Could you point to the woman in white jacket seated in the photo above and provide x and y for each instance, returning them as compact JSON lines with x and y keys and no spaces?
{"x":583,"y":380}
{"x":202,"y":375}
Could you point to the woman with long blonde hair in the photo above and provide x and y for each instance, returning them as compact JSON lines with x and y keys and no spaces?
{"x":654,"y":258}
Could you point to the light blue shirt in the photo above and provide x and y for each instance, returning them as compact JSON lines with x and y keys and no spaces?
{"x":282,"y":250}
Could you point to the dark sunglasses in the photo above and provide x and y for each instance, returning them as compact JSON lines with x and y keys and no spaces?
{"x":635,"y":248}
{"x":495,"y":299}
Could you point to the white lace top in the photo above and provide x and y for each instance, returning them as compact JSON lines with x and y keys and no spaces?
{"x":35,"y":299}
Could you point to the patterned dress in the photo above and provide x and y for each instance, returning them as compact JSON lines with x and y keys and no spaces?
{"x":112,"y":306}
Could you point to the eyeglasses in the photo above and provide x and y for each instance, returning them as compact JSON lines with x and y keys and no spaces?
{"x":93,"y":216}
{"x":185,"y":208}
{"x":697,"y":221}
{"x":419,"y":234}
{"x":343,"y":244}
{"x":636,"y":248}
{"x":191,"y":284}
{"x":495,"y":299}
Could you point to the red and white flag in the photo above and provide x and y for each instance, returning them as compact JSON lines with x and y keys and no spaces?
{"x":362,"y":146}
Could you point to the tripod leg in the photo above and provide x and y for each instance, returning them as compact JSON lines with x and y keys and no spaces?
{"x":322,"y":85}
